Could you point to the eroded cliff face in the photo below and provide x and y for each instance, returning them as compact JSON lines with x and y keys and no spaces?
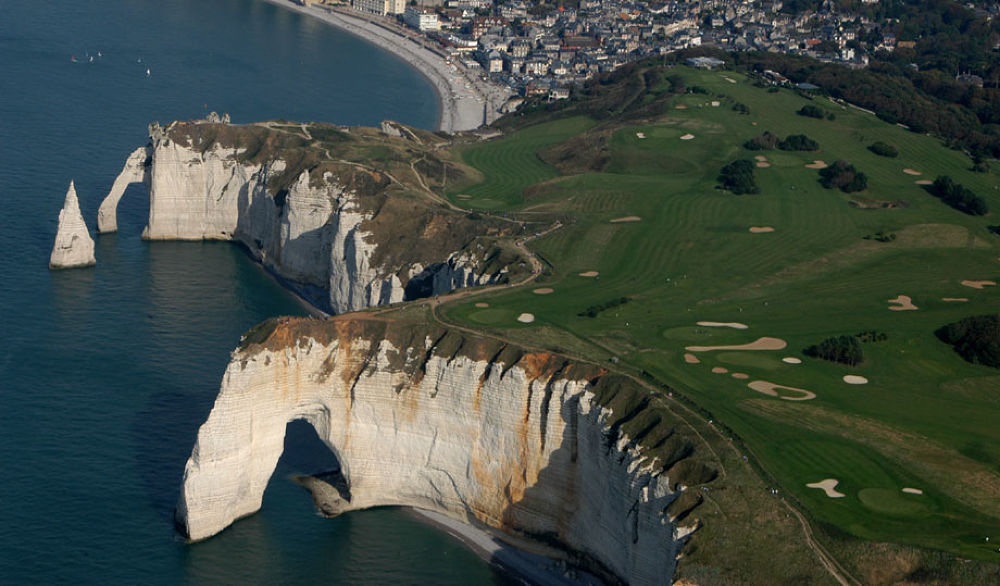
{"x":73,"y":246}
{"x":528,"y":443}
{"x":348,"y":235}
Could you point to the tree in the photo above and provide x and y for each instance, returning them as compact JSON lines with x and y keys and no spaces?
{"x":798,"y":142}
{"x":958,"y":196}
{"x":844,"y":177}
{"x":810,"y":111}
{"x":842,"y":349}
{"x":738,"y":177}
{"x":883,"y":149}
{"x":975,"y":338}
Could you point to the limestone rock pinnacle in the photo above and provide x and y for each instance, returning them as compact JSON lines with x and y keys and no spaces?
{"x":73,"y":246}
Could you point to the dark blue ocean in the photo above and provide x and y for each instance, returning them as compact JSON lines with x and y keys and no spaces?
{"x":106,"y":373}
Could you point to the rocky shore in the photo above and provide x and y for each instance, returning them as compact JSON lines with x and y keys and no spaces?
{"x":466,"y":101}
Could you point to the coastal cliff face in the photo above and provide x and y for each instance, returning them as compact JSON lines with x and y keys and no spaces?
{"x":528,"y":443}
{"x":347,"y":234}
{"x":73,"y":246}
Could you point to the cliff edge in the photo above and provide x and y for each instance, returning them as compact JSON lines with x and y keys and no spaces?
{"x":529,"y":443}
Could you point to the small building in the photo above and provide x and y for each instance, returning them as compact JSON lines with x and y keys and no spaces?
{"x":704,"y":62}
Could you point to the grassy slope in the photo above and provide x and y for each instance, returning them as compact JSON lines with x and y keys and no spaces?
{"x":926,"y":420}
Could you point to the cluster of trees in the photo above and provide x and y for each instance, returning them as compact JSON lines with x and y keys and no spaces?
{"x":811,"y":111}
{"x":738,"y":177}
{"x":793,"y":142}
{"x":880,"y":236}
{"x":595,"y":310}
{"x":741,"y":108}
{"x":958,"y":196}
{"x":883,"y":149}
{"x":871,"y":336}
{"x":844,"y":177}
{"x":975,"y":338}
{"x":842,"y":349}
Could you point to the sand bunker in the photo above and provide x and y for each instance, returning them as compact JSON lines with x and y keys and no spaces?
{"x":715,"y":104}
{"x":771,"y":389}
{"x":526,"y":318}
{"x":763,"y":164}
{"x":687,"y":137}
{"x":681,"y":107}
{"x":979,"y":284}
{"x":761,"y":229}
{"x":763,"y":343}
{"x":589,"y":274}
{"x":828,"y":485}
{"x":760,"y":158}
{"x":719,"y":370}
{"x":955,"y":299}
{"x":723,"y":324}
{"x":912,"y":172}
{"x":691,"y":359}
{"x":909,"y":490}
{"x":817,"y":164}
{"x":855,"y":379}
{"x":543,"y":291}
{"x":729,"y":79}
{"x":791,"y":360}
{"x":924,"y":182}
{"x":463,"y":196}
{"x":482,"y":305}
{"x":903,"y":303}
{"x":740,"y":375}
{"x":626,"y":219}
{"x":640,"y":135}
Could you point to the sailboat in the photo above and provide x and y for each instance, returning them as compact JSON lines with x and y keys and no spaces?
{"x":147,"y":72}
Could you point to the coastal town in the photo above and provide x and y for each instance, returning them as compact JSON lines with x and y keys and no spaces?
{"x":538,"y":49}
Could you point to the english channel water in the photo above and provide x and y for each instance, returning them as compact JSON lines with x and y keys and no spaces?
{"x":106,"y":373}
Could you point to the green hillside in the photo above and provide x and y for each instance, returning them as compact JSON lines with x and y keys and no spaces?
{"x":820,"y":263}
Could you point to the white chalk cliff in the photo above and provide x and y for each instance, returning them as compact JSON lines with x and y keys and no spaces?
{"x":317,"y":231}
{"x":73,"y":246}
{"x":527,"y":443}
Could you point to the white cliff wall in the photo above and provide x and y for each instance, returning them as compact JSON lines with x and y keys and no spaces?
{"x":480,"y":441}
{"x":136,"y":170}
{"x":73,"y":246}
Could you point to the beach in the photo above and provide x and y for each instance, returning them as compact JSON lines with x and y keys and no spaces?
{"x":466,"y":101}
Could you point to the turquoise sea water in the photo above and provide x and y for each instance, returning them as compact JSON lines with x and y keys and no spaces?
{"x":106,"y":373}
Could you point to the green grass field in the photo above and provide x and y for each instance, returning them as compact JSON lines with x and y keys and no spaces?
{"x":926,"y":419}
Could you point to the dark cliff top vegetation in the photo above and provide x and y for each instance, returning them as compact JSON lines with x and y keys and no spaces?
{"x":975,"y":338}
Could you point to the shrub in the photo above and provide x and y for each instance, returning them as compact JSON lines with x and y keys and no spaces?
{"x":810,"y":111}
{"x":738,"y":177}
{"x":762,"y":142}
{"x":842,"y":349}
{"x":844,"y":177}
{"x":958,"y":196}
{"x":883,"y":149}
{"x":595,"y":310}
{"x":975,"y":338}
{"x":798,"y":142}
{"x":741,"y":108}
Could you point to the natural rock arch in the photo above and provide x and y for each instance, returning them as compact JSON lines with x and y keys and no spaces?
{"x":136,"y":170}
{"x":516,"y":442}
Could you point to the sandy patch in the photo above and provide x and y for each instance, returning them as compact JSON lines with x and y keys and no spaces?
{"x":763,"y":164}
{"x":753,"y":124}
{"x":763,"y":343}
{"x":761,"y":229}
{"x":909,"y":490}
{"x":691,"y":359}
{"x":955,"y":299}
{"x":687,"y":137}
{"x":626,"y":219}
{"x":912,"y":172}
{"x":771,"y":389}
{"x":791,"y":360}
{"x":526,"y":318}
{"x":924,"y":182}
{"x":482,"y":305}
{"x":715,"y":104}
{"x":855,"y":379}
{"x":463,"y":196}
{"x":828,"y":485}
{"x":729,"y":79}
{"x":723,"y":324}
{"x":589,"y":274}
{"x":681,"y":107}
{"x":903,"y":303}
{"x":760,"y":158}
{"x":817,"y":164}
{"x":543,"y":291}
{"x":719,"y":370}
{"x":740,"y":375}
{"x":640,"y":135}
{"x":979,"y":284}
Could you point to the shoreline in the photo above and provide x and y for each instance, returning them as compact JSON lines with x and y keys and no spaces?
{"x":465,"y":102}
